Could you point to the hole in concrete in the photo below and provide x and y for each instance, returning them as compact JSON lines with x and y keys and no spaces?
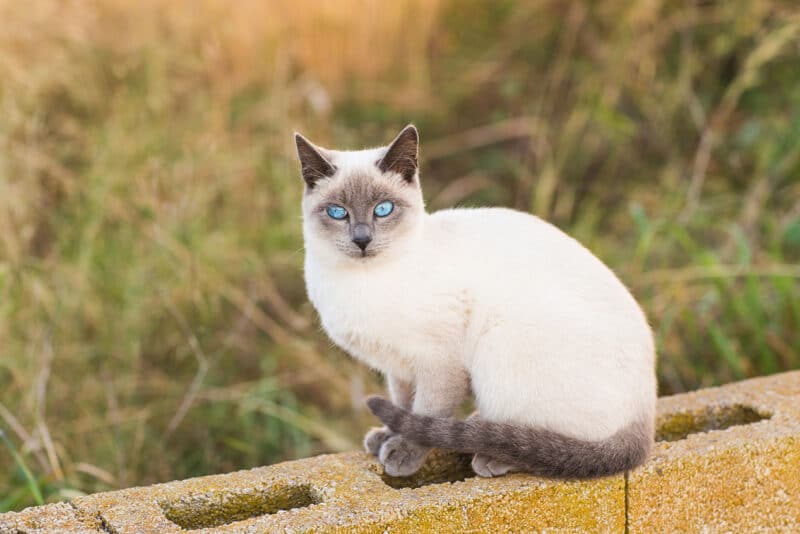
{"x":440,"y":467}
{"x":677,"y":426}
{"x":216,"y":509}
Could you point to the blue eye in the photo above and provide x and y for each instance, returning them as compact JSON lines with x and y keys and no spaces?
{"x":337,"y":212}
{"x":384,"y":208}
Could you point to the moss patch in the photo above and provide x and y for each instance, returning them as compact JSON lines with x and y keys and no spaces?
{"x":677,"y":426}
{"x":214,"y":510}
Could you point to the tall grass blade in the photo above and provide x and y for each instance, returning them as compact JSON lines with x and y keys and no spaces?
{"x":33,"y":485}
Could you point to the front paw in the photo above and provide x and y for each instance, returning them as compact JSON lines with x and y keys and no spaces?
{"x":401,"y":457}
{"x":487,"y":467}
{"x":375,"y":438}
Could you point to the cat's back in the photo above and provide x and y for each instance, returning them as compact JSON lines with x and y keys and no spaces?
{"x":499,"y":220}
{"x":513,"y":254}
{"x":505,"y":236}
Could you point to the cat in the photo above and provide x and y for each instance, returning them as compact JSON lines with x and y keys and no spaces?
{"x":557,"y":353}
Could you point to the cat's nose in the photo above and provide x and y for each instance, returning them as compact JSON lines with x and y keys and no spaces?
{"x":362,"y":235}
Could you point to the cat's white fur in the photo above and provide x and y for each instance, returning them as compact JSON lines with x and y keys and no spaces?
{"x":545,"y":332}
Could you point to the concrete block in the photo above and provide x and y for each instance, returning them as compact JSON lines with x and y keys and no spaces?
{"x":729,"y":461}
{"x":59,"y":517}
{"x":349,"y":493}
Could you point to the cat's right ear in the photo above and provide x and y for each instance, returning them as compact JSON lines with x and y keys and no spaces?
{"x":314,"y":166}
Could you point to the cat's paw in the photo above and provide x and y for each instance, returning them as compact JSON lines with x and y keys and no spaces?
{"x":375,"y":438}
{"x":489,"y":467}
{"x":401,"y":457}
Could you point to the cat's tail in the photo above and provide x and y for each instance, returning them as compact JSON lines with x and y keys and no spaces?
{"x":535,"y":450}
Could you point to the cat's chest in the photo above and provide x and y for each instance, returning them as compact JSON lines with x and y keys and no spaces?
{"x":368,"y":308}
{"x":386,"y":320}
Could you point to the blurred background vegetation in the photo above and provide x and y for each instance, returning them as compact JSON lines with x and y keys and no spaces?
{"x":153,"y":322}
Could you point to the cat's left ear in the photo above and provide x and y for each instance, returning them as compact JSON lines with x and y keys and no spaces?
{"x":401,"y":156}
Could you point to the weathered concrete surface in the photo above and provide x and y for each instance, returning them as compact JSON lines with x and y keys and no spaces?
{"x":733,"y":464}
{"x":347,"y":493}
{"x":743,"y":478}
{"x":59,"y":517}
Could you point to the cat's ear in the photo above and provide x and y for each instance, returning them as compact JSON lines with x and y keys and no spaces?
{"x":313,"y":163}
{"x":401,"y":156}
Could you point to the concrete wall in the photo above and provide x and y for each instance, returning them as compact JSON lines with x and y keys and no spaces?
{"x":728,"y":460}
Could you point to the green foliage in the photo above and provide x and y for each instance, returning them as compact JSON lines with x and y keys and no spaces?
{"x":153,"y":319}
{"x":32,"y":484}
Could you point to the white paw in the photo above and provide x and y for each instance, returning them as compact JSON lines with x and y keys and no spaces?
{"x":487,"y":467}
{"x":375,"y":438}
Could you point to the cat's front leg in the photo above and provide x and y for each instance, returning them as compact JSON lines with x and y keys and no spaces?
{"x":402,"y":394}
{"x":437,"y":394}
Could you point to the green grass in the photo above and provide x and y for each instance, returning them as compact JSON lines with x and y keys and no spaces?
{"x":32,"y":483}
{"x":153,"y":320}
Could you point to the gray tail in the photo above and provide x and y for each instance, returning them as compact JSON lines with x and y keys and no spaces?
{"x":535,"y":450}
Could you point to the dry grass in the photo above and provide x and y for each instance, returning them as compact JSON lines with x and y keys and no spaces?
{"x":152,"y":315}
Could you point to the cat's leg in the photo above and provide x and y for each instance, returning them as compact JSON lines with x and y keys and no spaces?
{"x":437,"y":394}
{"x":402,"y":394}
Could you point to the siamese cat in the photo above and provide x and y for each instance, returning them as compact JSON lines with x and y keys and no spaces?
{"x":490,"y":301}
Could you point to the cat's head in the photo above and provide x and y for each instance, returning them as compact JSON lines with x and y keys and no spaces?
{"x":363,"y":204}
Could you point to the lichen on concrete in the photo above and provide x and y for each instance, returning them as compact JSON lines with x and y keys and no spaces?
{"x":675,"y":426}
{"x":220,"y":508}
{"x":347,"y":493}
{"x":725,"y":478}
{"x":729,"y":460}
{"x":58,"y":517}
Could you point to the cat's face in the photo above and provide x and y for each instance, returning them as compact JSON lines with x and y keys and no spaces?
{"x":362,"y":204}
